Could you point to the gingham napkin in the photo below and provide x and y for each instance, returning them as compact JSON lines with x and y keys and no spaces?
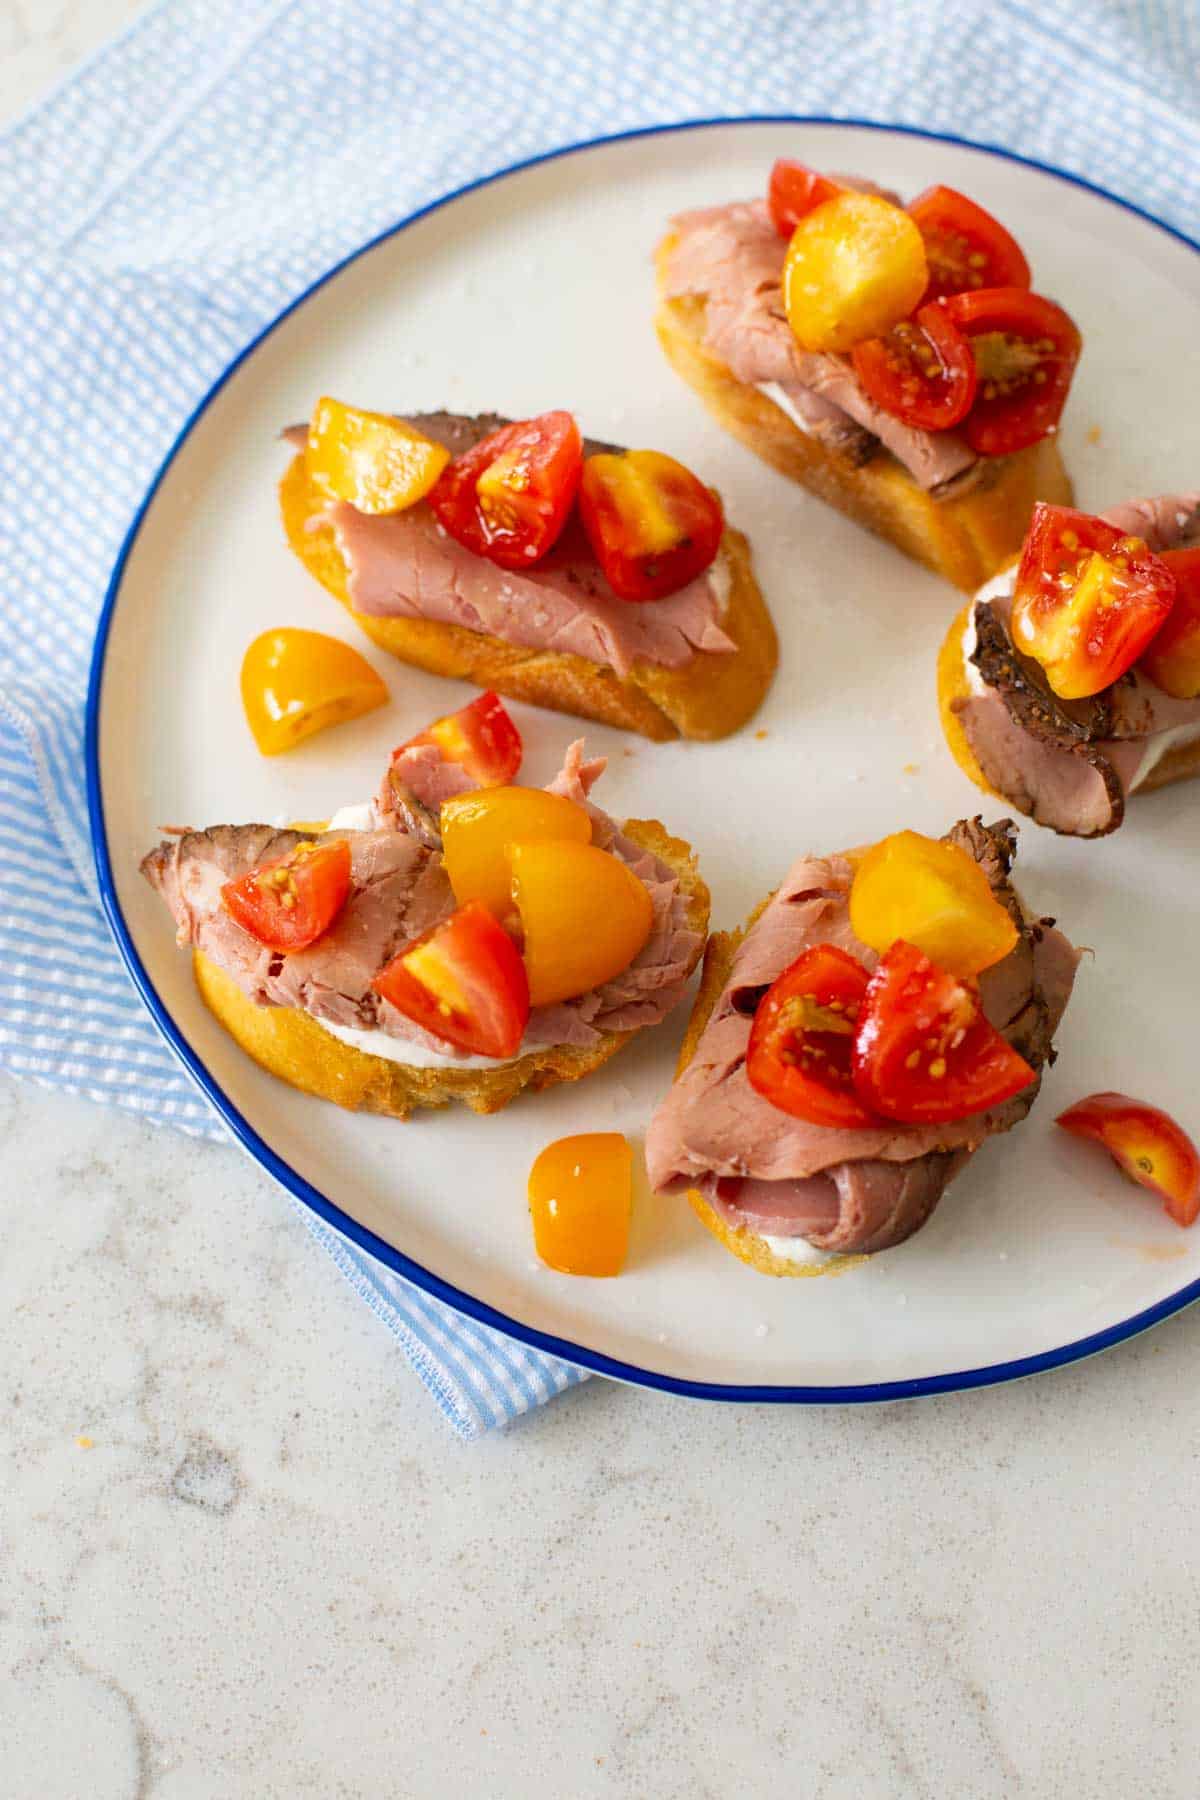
{"x":200,"y":171}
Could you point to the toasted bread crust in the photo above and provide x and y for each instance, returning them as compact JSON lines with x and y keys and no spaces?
{"x":291,"y":1045}
{"x":708,"y":697}
{"x":965,"y":538}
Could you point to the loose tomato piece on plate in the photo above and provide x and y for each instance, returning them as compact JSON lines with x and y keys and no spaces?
{"x":965,"y":247}
{"x":924,"y":1053}
{"x":295,"y":683}
{"x":923,"y":371}
{"x":1026,"y":349}
{"x":464,"y":981}
{"x":799,"y":1055}
{"x":580,"y":1198}
{"x":1146,"y":1144}
{"x":854,"y":268}
{"x":290,"y":902}
{"x":509,"y":497}
{"x":794,"y":190}
{"x":653,"y":525}
{"x":1173,"y":660}
{"x":1088,"y":599}
{"x":931,"y":894}
{"x":481,"y":736}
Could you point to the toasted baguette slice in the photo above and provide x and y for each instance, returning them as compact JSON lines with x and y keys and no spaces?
{"x":708,"y":697}
{"x":964,"y":538}
{"x":292,"y":1045}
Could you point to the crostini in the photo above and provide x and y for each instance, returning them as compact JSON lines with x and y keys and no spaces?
{"x":523,"y":558}
{"x":457,"y":938}
{"x":880,"y":1016}
{"x":1071,"y":682}
{"x":892,"y":360}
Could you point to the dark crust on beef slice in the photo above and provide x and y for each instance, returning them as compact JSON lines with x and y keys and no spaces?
{"x":994,"y":847}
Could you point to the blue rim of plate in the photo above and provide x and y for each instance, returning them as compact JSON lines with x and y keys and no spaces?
{"x":577,"y":1354}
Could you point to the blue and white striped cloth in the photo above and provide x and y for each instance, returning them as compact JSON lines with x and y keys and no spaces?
{"x":185,"y":184}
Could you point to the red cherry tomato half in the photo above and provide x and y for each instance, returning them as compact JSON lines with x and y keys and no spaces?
{"x":287,"y":904}
{"x":802,"y":1036}
{"x":1088,"y":599}
{"x":793,"y":191}
{"x":508,"y":498}
{"x":481,"y":736}
{"x":652,"y":524}
{"x":464,"y":981}
{"x":1026,"y":349}
{"x":1173,"y":660}
{"x":923,"y":371}
{"x":924,"y":1053}
{"x":1146,"y":1144}
{"x":965,"y":247}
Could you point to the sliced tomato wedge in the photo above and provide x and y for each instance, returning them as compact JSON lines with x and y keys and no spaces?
{"x":291,"y":901}
{"x":923,"y":371}
{"x":924,"y":1053}
{"x":464,"y":981}
{"x":1173,"y":660}
{"x":1088,"y":599}
{"x":794,"y":190}
{"x":1146,"y":1144}
{"x":481,"y":736}
{"x":653,"y":525}
{"x":966,"y":248}
{"x":799,"y":1055}
{"x":1026,"y":349}
{"x":508,"y":498}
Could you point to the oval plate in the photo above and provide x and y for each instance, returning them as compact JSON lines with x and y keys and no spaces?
{"x":534,"y":290}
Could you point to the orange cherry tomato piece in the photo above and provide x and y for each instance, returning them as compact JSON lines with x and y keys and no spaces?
{"x":965,"y":247}
{"x":508,"y":498}
{"x":478,"y":828}
{"x":1173,"y":660}
{"x":296,"y":683}
{"x":581,"y":1198}
{"x":653,"y":525}
{"x":799,"y":1055}
{"x":1146,"y":1144}
{"x":933,"y":895}
{"x":924,"y":1053}
{"x":794,"y":190}
{"x":290,"y":902}
{"x":584,"y":916}
{"x":923,"y":371}
{"x":1025,"y":349}
{"x":1088,"y":599}
{"x":464,"y":981}
{"x":481,"y":736}
{"x":375,"y":462}
{"x":854,"y":268}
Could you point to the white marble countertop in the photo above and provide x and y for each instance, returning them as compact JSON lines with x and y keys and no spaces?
{"x":242,"y":1556}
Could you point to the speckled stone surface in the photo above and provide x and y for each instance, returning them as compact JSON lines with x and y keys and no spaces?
{"x":242,"y":1557}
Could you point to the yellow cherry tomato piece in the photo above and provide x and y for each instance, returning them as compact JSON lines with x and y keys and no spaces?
{"x":477,"y":828}
{"x":584,"y":915}
{"x":855,"y":267}
{"x":377,"y":463}
{"x":297,"y":682}
{"x":933,"y":895}
{"x":581,"y":1196}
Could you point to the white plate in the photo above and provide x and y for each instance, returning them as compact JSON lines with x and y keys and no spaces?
{"x":534,"y":291}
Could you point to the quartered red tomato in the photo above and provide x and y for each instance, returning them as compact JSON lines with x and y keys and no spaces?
{"x":1025,"y":351}
{"x":653,"y":525}
{"x":481,"y":736}
{"x":799,"y":1055}
{"x":508,"y":498}
{"x":1173,"y":660}
{"x":924,"y":1053}
{"x":1146,"y":1144}
{"x":1088,"y":599}
{"x":966,"y":248}
{"x":794,"y":190}
{"x":464,"y":981}
{"x":923,"y":371}
{"x":290,"y":902}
